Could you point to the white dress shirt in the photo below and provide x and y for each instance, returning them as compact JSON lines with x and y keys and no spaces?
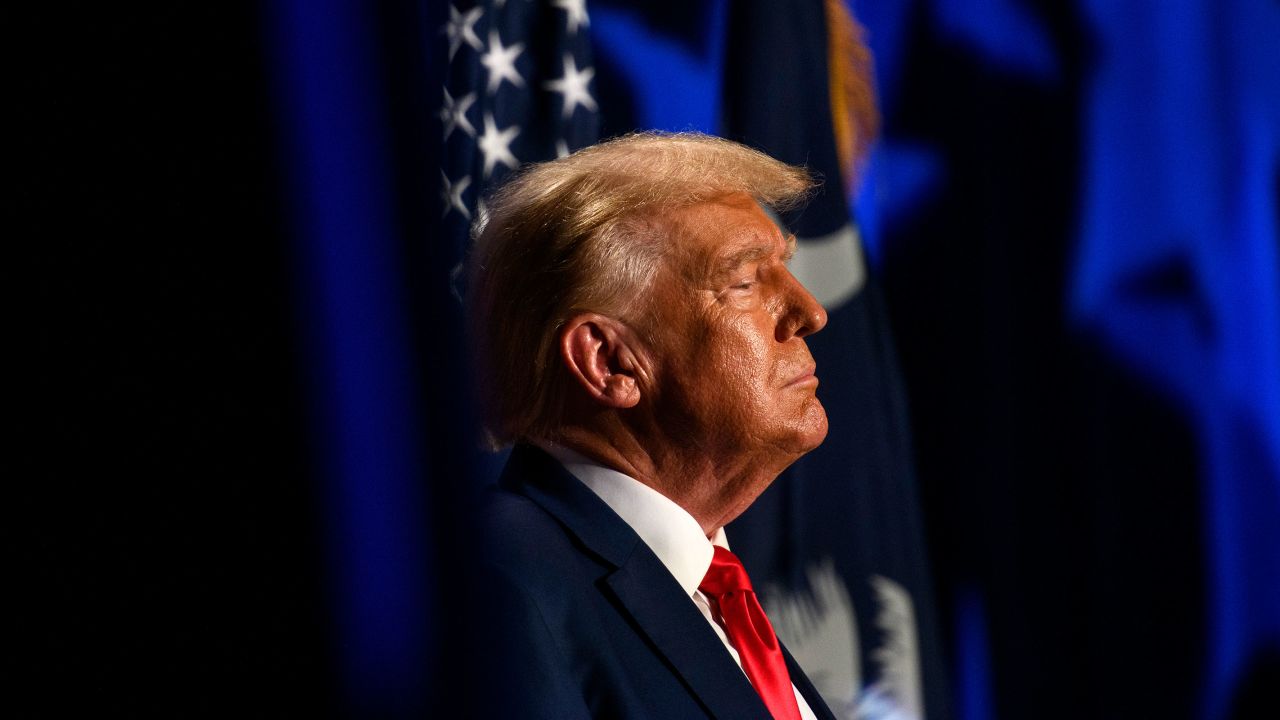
{"x":669,"y":531}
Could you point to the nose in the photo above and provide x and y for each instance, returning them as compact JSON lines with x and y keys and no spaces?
{"x":805,"y":315}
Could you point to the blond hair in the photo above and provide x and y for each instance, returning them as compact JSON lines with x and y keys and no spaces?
{"x":585,"y":233}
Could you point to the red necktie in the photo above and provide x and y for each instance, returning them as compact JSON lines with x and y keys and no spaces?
{"x":750,"y":632}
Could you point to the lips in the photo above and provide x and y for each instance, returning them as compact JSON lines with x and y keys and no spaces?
{"x":806,"y":376}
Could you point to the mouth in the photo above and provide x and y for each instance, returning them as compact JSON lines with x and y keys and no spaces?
{"x":805,"y":378}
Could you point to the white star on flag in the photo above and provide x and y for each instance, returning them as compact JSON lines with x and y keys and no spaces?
{"x":573,"y":85}
{"x":454,"y":114}
{"x":462,"y":28}
{"x":451,"y":193}
{"x":499,"y":110}
{"x":576,"y":11}
{"x":496,"y":145}
{"x":501,"y":62}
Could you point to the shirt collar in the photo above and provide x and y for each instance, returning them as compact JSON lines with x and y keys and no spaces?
{"x":668,"y":529}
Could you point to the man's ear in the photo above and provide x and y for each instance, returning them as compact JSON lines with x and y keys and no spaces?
{"x":598,"y":352}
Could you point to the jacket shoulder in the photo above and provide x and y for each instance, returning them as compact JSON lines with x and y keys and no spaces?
{"x":524,"y":541}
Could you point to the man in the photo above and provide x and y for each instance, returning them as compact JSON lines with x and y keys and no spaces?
{"x":641,"y":341}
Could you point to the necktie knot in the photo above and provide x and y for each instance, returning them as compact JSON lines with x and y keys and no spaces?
{"x":726,"y":575}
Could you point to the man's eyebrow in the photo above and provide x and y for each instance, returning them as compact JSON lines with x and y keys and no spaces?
{"x":754,"y":254}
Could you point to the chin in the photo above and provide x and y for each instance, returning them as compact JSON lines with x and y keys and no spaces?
{"x":817,"y":436}
{"x":812,"y":430}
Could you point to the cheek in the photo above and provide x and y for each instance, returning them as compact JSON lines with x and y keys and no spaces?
{"x":747,"y":392}
{"x":745,"y":356}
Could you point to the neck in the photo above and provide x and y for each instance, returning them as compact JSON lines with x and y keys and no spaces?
{"x":714,"y":488}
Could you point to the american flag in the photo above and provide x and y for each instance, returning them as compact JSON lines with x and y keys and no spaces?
{"x":518,"y":89}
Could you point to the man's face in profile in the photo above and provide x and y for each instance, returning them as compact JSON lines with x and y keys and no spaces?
{"x":728,"y":322}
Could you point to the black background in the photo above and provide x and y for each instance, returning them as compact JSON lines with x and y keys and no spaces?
{"x":172,"y":532}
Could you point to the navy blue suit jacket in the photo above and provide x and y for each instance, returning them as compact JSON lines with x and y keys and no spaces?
{"x":590,"y":623}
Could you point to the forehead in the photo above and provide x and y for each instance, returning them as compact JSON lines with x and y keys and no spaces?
{"x":725,"y":231}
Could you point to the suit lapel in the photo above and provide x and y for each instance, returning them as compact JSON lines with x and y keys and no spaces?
{"x":669,"y":618}
{"x":641,"y":585}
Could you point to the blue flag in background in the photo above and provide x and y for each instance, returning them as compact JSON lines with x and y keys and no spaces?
{"x":1079,"y":238}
